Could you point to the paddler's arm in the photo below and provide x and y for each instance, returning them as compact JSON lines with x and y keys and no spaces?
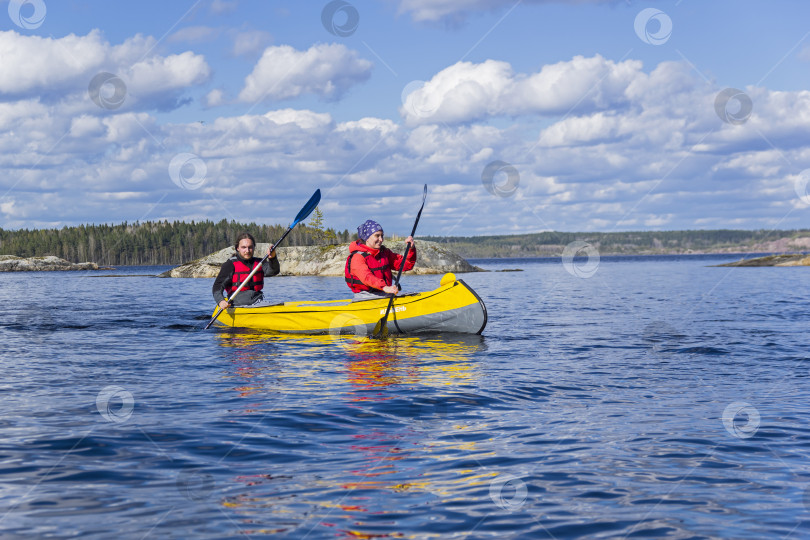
{"x":224,"y":277}
{"x":410,"y":262}
{"x":270,"y":266}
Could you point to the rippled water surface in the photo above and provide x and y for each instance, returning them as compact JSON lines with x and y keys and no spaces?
{"x":659,"y":397}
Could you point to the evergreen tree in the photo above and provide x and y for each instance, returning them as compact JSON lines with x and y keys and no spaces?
{"x":320,"y":236}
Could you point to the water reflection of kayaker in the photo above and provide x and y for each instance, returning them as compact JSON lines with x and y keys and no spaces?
{"x":374,"y":364}
{"x":370,"y":265}
{"x":234,"y":271}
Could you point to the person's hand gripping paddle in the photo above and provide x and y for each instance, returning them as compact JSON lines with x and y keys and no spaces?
{"x":381,"y":328}
{"x":302,"y":215}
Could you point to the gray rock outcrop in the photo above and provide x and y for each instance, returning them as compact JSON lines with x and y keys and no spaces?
{"x":327,"y":260}
{"x":796,"y":259}
{"x":12,"y":263}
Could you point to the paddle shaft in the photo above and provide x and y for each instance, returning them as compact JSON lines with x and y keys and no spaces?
{"x":380,"y":327}
{"x":407,"y":249}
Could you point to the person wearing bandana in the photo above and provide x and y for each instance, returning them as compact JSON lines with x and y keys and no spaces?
{"x":370,"y":266}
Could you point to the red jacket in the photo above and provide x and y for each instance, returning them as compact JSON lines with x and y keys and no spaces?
{"x":372,"y":269}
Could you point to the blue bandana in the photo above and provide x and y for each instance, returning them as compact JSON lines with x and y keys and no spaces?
{"x":367,"y":229}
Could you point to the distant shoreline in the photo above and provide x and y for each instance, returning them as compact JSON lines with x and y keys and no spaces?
{"x":748,"y":256}
{"x":173,"y":243}
{"x":708,"y":254}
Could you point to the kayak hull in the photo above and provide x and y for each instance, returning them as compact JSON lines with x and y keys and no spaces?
{"x":453,"y":307}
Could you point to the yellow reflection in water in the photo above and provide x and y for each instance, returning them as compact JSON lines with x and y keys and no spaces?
{"x":440,"y":361}
{"x":359,"y":370}
{"x":411,"y":360}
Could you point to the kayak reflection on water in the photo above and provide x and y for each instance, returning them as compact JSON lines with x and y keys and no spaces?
{"x":439,"y":361}
{"x":347,"y":422}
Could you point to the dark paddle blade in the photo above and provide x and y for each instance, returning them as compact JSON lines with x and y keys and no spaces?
{"x":307,"y":209}
{"x":381,"y":328}
{"x":213,"y":319}
{"x":312,"y":203}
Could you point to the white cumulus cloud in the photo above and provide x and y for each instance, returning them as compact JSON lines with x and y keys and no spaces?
{"x":33,"y":63}
{"x":466,"y":91}
{"x":62,"y":69}
{"x":215,"y":98}
{"x":326,"y":70}
{"x":158,"y":75}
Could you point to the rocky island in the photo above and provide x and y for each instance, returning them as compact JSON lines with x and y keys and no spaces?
{"x":12,"y":263}
{"x":432,"y":258}
{"x":793,"y":259}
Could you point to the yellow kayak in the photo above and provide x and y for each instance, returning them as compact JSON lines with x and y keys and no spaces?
{"x":453,"y":307}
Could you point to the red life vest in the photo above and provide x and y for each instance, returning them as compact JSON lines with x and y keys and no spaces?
{"x":378,"y":265}
{"x":241,"y":271}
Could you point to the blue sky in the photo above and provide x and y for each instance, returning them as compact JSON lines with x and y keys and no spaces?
{"x":520,"y":116}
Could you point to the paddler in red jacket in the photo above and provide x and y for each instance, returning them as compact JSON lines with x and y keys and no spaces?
{"x":236,"y":269}
{"x":370,"y":266}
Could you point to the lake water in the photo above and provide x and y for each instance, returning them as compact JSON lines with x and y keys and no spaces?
{"x":638,"y":397}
